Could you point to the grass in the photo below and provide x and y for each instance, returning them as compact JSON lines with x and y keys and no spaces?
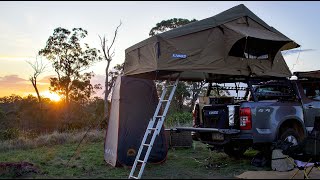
{"x":195,"y":162}
{"x":52,"y":139}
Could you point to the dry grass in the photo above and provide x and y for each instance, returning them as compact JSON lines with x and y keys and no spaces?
{"x":48,"y":140}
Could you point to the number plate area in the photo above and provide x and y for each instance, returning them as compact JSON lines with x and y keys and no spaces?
{"x":217,"y":136}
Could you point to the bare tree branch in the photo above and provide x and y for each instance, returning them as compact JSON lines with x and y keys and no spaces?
{"x":114,"y":38}
{"x":105,"y":48}
{"x":108,"y":57}
{"x":38,"y":68}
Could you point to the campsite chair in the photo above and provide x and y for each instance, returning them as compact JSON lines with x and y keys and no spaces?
{"x":307,"y":153}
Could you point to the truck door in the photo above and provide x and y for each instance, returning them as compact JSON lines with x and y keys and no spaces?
{"x":310,"y":96}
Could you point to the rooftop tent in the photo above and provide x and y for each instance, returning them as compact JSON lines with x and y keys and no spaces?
{"x":134,"y":101}
{"x":235,"y":42}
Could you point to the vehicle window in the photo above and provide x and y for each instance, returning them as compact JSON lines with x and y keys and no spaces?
{"x":311,"y":90}
{"x":238,"y":91}
{"x":272,"y":89}
{"x":272,"y":92}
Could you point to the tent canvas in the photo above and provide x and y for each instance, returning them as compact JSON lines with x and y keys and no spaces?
{"x":235,"y":42}
{"x":133,"y":103}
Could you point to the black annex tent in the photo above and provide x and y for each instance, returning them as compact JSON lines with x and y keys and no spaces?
{"x":235,"y":42}
{"x":134,"y":101}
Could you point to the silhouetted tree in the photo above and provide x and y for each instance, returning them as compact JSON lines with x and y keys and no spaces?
{"x":69,"y":59}
{"x":169,"y":24}
{"x":38,"y":68}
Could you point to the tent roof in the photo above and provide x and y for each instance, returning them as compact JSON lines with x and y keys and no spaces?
{"x":211,"y":22}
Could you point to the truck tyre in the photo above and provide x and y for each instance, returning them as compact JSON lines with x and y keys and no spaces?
{"x":290,"y":135}
{"x":234,"y":151}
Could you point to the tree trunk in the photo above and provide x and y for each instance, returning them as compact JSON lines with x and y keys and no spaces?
{"x":34,"y":83}
{"x":67,"y":95}
{"x":195,"y":93}
{"x":193,"y":101}
{"x":106,"y":95}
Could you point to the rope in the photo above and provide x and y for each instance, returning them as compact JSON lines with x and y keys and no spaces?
{"x":296,"y":60}
{"x":78,"y":146}
{"x":82,"y":140}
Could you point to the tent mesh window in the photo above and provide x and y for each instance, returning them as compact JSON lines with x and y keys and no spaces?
{"x":253,"y":48}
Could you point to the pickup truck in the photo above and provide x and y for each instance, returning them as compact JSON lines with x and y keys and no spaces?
{"x":267,"y":110}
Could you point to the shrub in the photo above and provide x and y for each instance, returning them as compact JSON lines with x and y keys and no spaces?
{"x":178,"y":119}
{"x":2,"y":114}
{"x":52,"y":139}
{"x":8,"y":134}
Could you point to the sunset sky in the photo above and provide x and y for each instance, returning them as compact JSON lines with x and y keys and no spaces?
{"x":26,"y":26}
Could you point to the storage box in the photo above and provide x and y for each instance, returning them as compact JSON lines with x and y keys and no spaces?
{"x":178,"y":138}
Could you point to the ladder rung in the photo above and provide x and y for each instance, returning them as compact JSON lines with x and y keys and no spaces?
{"x":133,"y":177}
{"x":165,"y":100}
{"x":146,"y":144}
{"x":152,"y":129}
{"x":158,"y":116}
{"x":140,"y":161}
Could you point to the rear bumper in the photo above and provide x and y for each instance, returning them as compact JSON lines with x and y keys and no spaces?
{"x":205,"y":134}
{"x":247,"y":137}
{"x":208,"y":130}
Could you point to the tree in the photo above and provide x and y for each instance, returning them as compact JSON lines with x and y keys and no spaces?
{"x":38,"y":68}
{"x":69,"y":59}
{"x":113,"y":74}
{"x":195,"y":89}
{"x":166,"y":25}
{"x":183,"y":90}
{"x":108,"y":56}
{"x":82,"y":89}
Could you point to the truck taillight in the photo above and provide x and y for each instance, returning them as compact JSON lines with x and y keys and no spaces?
{"x":245,"y":118}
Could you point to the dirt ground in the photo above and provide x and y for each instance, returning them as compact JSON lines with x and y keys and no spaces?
{"x":315,"y":174}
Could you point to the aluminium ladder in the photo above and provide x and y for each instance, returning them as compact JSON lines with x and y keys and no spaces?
{"x":152,"y":131}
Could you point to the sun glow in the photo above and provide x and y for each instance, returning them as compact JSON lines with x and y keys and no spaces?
{"x":52,"y":96}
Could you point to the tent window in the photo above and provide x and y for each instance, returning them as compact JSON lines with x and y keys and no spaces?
{"x":253,"y":48}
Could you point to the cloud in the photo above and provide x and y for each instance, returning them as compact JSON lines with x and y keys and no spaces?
{"x":13,"y":84}
{"x":11,"y":79}
{"x":46,"y":79}
{"x":294,"y":51}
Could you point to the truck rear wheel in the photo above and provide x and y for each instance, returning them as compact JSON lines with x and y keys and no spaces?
{"x":235,"y":151}
{"x":290,"y":135}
